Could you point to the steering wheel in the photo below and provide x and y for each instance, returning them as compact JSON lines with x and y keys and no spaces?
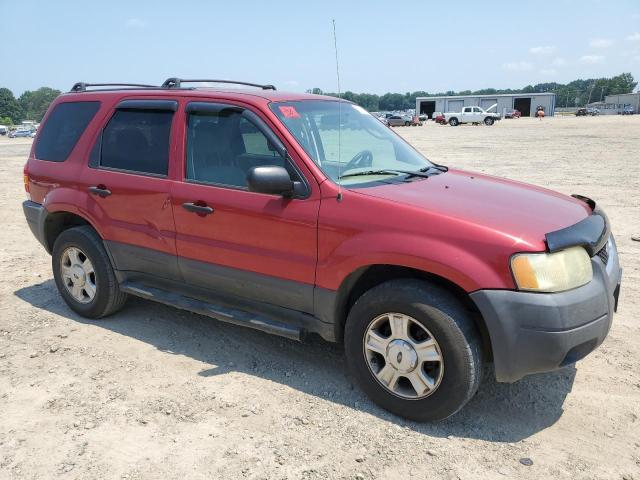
{"x":360,"y":160}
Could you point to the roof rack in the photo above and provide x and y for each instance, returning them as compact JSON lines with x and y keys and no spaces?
{"x":177,"y":83}
{"x":82,"y":86}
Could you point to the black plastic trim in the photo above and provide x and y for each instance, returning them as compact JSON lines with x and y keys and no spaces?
{"x":536,"y":332}
{"x":82,"y":86}
{"x":36,"y":216}
{"x":162,"y":105}
{"x":211,"y":108}
{"x":591,"y":233}
{"x":128,"y":257}
{"x":175,"y":82}
{"x":247,"y":284}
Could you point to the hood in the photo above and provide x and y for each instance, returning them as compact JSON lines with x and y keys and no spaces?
{"x":491,"y":107}
{"x":521,"y":212}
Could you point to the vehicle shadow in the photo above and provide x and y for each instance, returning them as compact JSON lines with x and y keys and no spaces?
{"x":498,"y":413}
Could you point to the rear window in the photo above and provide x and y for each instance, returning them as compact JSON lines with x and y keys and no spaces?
{"x":63,"y":128}
{"x":137,"y":141}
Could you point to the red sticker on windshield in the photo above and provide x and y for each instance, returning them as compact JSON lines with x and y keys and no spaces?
{"x":289,"y":112}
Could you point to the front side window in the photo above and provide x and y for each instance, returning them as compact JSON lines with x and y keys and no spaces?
{"x":137,"y":141}
{"x":63,"y":129}
{"x":347,"y":142}
{"x":223,"y":146}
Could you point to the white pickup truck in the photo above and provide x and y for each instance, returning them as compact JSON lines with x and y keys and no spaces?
{"x":474,"y":115}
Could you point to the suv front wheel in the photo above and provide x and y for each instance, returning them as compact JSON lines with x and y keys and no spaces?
{"x":413,"y":348}
{"x":84,"y":275}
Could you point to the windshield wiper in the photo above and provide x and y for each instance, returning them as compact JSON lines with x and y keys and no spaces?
{"x":410,"y":173}
{"x":435,"y":166}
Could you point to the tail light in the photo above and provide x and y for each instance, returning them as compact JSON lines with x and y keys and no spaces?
{"x":25,"y":177}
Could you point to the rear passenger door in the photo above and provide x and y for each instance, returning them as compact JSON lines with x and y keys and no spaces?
{"x":129,"y":187}
{"x":233,"y":241}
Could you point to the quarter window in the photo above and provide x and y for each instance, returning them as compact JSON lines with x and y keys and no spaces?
{"x":223,"y":146}
{"x":63,"y":129}
{"x":138,"y":141}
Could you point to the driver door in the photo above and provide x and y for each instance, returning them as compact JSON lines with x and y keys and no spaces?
{"x":250,"y":245}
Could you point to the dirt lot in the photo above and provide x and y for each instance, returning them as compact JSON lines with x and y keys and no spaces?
{"x":157,"y":393}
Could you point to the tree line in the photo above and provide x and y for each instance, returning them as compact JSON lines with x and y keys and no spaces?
{"x":32,"y":105}
{"x":573,"y":94}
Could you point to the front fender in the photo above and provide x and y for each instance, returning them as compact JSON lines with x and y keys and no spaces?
{"x":429,"y":254}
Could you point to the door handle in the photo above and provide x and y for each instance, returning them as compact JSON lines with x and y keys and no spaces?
{"x":100,"y":190}
{"x":199,"y":209}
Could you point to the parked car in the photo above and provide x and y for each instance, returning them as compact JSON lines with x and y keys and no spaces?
{"x":424,"y":273}
{"x":3,"y":129}
{"x":423,"y":117}
{"x":384,"y":121}
{"x":513,"y":113}
{"x":19,"y":132}
{"x":399,"y":120}
{"x":581,"y":112}
{"x":438,"y":117}
{"x":628,"y":110}
{"x":474,"y":115}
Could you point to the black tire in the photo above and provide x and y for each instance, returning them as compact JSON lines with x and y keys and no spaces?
{"x":454,"y":122}
{"x":489,"y":121}
{"x":451,"y":326}
{"x":406,"y":124}
{"x":108,"y":298}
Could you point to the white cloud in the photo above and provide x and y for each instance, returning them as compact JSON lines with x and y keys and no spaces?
{"x":548,"y":71}
{"x":135,"y":23}
{"x":601,"y":42}
{"x":592,"y":59}
{"x":634,"y":37}
{"x":517,"y":66}
{"x":559,"y":62}
{"x":546,"y":50}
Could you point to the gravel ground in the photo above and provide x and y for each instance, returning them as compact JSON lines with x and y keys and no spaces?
{"x":153,"y":392}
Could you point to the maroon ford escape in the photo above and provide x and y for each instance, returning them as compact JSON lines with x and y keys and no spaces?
{"x":300,"y":214}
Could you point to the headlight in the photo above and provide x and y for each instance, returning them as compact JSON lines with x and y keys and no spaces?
{"x":552,"y":272}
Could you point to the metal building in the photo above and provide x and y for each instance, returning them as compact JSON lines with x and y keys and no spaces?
{"x":616,"y":104}
{"x":526,"y":103}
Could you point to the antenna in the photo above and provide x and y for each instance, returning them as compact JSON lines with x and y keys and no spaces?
{"x":335,"y":46}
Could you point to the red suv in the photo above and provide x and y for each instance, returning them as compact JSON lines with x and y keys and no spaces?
{"x":299,"y":214}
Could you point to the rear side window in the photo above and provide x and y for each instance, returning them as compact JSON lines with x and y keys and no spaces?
{"x":63,"y":128}
{"x":138,"y":141}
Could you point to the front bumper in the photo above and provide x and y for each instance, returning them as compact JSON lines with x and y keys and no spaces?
{"x":540,"y":332}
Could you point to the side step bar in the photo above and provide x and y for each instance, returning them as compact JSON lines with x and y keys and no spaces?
{"x":217,"y":311}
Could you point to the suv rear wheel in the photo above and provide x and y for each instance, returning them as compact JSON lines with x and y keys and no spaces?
{"x":413,"y":349}
{"x":84,"y":275}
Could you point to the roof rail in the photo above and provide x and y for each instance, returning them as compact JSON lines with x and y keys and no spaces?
{"x":177,"y":83}
{"x":82,"y":86}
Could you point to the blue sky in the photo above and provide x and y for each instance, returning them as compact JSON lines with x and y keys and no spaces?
{"x":383,"y":45}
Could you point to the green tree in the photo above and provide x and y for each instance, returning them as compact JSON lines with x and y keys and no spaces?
{"x":6,"y":121}
{"x":9,"y":106}
{"x":35,"y":103}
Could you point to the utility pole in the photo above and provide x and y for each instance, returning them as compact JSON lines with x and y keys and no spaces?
{"x":593,"y":85}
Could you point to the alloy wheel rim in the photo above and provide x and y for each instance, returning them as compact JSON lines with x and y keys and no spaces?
{"x":403,"y":356}
{"x":78,"y":275}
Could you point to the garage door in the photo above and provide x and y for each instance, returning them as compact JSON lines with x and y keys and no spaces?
{"x":454,"y":106}
{"x":485,"y":103}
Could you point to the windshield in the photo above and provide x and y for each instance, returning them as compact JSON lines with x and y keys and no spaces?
{"x":347,"y":143}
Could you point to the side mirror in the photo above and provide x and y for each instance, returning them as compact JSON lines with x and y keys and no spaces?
{"x":270,"y":179}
